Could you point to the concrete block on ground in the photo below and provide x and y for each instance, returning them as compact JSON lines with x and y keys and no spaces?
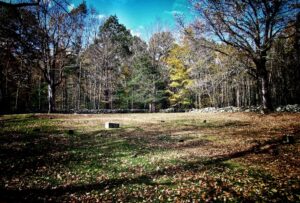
{"x":111,"y":125}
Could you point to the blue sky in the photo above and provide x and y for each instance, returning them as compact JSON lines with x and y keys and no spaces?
{"x":141,"y":15}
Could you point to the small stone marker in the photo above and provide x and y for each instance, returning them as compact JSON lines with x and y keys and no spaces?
{"x":111,"y":125}
{"x":288,"y":139}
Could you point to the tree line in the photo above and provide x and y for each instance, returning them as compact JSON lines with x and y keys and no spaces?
{"x":238,"y":53}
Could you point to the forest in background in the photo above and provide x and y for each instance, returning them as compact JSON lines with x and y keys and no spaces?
{"x":57,"y":60}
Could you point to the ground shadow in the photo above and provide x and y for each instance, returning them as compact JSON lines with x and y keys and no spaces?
{"x":34,"y":194}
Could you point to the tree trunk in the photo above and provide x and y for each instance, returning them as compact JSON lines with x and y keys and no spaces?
{"x":152,"y":107}
{"x":39,"y":93}
{"x":66,"y":96}
{"x":78,"y":87}
{"x":17,"y":95}
{"x":238,"y":96}
{"x":106,"y":96}
{"x":99,"y":95}
{"x":91,"y":98}
{"x":132,"y":99}
{"x":264,"y":86}
{"x":94,"y":93}
{"x":111,"y":100}
{"x":266,"y":99}
{"x":6,"y":78}
{"x":51,"y":98}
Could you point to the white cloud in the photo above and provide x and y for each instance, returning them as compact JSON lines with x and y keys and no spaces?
{"x":71,"y":7}
{"x":136,"y":33}
{"x":101,"y":16}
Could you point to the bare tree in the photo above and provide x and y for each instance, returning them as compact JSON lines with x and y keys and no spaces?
{"x":58,"y":34}
{"x":250,"y":26}
{"x":20,"y":4}
{"x":107,"y":56}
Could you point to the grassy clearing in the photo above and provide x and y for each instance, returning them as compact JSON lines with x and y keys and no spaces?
{"x":151,"y":158}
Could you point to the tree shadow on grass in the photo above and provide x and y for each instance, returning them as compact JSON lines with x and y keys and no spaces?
{"x":208,"y":125}
{"x":36,"y":194}
{"x":38,"y":147}
{"x":35,"y":150}
{"x":29,"y":143}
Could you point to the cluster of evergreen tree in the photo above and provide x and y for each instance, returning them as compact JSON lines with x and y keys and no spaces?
{"x":53,"y":60}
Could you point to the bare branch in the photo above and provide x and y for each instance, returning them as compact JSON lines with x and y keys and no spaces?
{"x":19,"y":5}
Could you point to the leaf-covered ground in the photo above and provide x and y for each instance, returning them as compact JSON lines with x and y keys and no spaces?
{"x":183,"y":157}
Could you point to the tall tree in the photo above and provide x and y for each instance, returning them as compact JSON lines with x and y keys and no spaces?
{"x":58,"y":32}
{"x":109,"y":55}
{"x":180,"y":81}
{"x":249,"y":26}
{"x":160,"y":44}
{"x":18,"y":34}
{"x":147,"y":88}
